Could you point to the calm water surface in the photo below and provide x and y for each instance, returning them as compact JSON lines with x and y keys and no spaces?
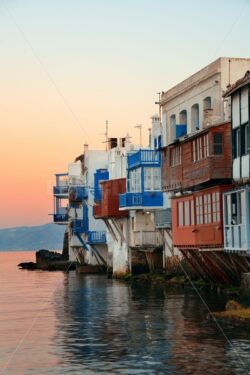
{"x":55,"y":323}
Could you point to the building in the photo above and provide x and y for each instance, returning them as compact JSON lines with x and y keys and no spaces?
{"x":109,"y":184}
{"x":197,"y":101}
{"x":142,"y":197}
{"x":74,"y":199}
{"x":236,"y":201}
{"x":196,"y":165}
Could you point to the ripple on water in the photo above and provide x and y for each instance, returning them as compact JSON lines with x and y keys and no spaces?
{"x":75,"y":324}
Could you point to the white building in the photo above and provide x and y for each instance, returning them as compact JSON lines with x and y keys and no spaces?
{"x":197,"y":101}
{"x":237,"y":201}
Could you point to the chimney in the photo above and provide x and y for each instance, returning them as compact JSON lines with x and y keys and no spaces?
{"x":85,"y":148}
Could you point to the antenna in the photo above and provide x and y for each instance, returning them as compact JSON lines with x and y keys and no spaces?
{"x":229,"y":71}
{"x":106,"y":135}
{"x":139,"y":127}
{"x":159,"y":99}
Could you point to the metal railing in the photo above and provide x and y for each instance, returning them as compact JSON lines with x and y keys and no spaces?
{"x":143,"y":238}
{"x":163,"y":218}
{"x":97,"y":237}
{"x":144,"y":157}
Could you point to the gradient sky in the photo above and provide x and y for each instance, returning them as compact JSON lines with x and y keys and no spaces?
{"x":68,"y":65}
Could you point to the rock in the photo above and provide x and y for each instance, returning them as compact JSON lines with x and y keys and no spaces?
{"x":49,"y":261}
{"x":232,"y":305}
{"x":27,"y":266}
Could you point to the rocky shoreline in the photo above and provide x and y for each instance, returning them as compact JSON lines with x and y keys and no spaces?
{"x":234,"y":313}
{"x":49,"y":261}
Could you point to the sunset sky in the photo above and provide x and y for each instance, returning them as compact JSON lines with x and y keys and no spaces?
{"x":67,"y":66}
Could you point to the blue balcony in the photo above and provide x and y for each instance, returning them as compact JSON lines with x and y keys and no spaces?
{"x":141,"y":200}
{"x":97,"y":237}
{"x":181,"y":130}
{"x":78,"y":193}
{"x":61,"y":191}
{"x":79,"y":226}
{"x":144,"y":157}
{"x":60,"y":218}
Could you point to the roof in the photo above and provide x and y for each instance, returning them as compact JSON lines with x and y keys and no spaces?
{"x":238,"y":84}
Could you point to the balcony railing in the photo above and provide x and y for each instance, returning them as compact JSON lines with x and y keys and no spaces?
{"x":79,"y":226}
{"x":97,"y":237}
{"x":76,"y":180}
{"x":163,"y":218}
{"x":61,"y":218}
{"x":144,"y":157}
{"x":144,"y":238}
{"x":61,"y":190}
{"x":78,"y":193}
{"x":141,"y":200}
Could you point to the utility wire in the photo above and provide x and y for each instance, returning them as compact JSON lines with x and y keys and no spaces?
{"x":243,"y":11}
{"x":26,"y":334}
{"x":46,"y":71}
{"x":206,"y":305}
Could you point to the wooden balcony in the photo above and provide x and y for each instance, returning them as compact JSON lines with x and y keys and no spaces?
{"x":109,"y":204}
{"x":200,"y":160}
{"x":197,"y":218}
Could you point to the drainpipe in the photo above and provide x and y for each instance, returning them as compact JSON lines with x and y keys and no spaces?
{"x":240,"y":134}
{"x":248,"y":141}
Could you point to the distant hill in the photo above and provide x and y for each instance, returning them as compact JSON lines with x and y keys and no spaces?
{"x":48,"y":236}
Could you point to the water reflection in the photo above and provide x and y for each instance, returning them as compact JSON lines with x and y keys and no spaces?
{"x":75,"y":324}
{"x":107,"y":326}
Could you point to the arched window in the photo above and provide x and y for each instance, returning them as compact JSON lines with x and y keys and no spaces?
{"x":195,"y":117}
{"x":173,"y":126}
{"x":207,"y":103}
{"x":183,"y":117}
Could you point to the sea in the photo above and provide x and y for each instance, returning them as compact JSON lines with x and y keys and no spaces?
{"x":68,"y":323}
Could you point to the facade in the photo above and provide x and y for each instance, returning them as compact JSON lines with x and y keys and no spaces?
{"x":197,"y":101}
{"x":184,"y":197}
{"x":142,"y":197}
{"x":196,"y":164}
{"x":74,"y":198}
{"x":198,"y":160}
{"x":236,"y":202}
{"x":109,"y":184}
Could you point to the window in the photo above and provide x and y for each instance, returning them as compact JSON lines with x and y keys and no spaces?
{"x":152,"y":179}
{"x":200,"y":148}
{"x":199,"y":209}
{"x":216,"y":207}
{"x":173,"y":126}
{"x":217,"y":143}
{"x":186,"y":213}
{"x":235,"y":220}
{"x":180,"y":214}
{"x":244,"y":139}
{"x":236,"y":143}
{"x":159,"y":141}
{"x":207,"y":103}
{"x":241,"y":144}
{"x":183,"y":117}
{"x":175,"y":156}
{"x":192,"y":212}
{"x":135,"y":181}
{"x":195,"y":117}
{"x":207,"y":209}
